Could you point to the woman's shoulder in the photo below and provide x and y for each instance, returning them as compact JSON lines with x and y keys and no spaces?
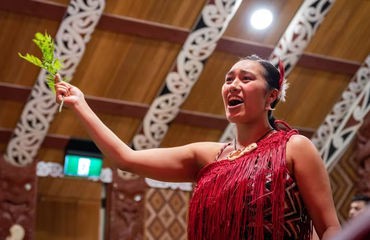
{"x":206,"y":152}
{"x":301,"y":150}
{"x":298,"y":144}
{"x":298,"y":140}
{"x":205,"y":145}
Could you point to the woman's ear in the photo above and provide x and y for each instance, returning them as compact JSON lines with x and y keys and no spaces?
{"x":273,"y":95}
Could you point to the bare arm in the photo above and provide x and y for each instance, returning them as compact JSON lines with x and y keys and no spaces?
{"x":167,"y":164}
{"x":313,"y":183}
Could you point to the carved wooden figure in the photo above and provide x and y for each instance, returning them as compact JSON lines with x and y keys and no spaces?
{"x":125,"y":207}
{"x":18,"y":191}
{"x":363,"y":156}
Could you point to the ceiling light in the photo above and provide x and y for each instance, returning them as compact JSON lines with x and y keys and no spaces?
{"x":261,"y":19}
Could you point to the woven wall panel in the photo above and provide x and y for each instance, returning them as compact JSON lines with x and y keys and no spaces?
{"x":166,"y":214}
{"x":351,"y":174}
{"x":343,"y":180}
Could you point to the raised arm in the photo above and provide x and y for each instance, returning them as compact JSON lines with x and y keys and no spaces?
{"x":167,"y":164}
{"x":313,"y":183}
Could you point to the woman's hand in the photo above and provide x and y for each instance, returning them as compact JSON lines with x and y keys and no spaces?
{"x":66,"y":93}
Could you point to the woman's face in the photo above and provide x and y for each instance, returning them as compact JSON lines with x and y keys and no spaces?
{"x":245,"y":93}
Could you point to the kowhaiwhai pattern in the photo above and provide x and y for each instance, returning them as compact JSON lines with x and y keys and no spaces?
{"x":71,"y":39}
{"x":294,"y":40}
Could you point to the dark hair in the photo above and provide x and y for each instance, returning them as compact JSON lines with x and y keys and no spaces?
{"x":271,"y":73}
{"x":361,"y":197}
{"x":272,"y":76}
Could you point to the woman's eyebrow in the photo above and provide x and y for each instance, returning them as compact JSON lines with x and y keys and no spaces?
{"x":246,"y":72}
{"x":230,"y":72}
{"x":241,"y":71}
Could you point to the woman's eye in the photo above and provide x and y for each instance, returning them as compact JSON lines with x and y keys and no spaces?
{"x":228,"y":79}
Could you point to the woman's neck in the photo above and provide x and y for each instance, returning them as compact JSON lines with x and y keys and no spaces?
{"x":247,"y":133}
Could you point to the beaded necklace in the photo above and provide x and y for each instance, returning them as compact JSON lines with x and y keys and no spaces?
{"x":236,"y":153}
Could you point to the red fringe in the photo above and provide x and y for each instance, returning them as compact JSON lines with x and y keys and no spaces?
{"x":281,"y":70}
{"x":231,"y":196}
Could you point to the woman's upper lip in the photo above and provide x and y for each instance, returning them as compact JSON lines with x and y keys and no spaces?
{"x":234,"y":97}
{"x":234,"y":100}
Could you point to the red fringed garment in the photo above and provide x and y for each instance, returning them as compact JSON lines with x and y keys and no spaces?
{"x":251,"y":197}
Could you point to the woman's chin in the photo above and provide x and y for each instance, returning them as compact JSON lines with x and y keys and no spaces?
{"x":232,"y":118}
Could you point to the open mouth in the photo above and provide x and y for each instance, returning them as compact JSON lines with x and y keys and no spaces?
{"x":235,"y":102}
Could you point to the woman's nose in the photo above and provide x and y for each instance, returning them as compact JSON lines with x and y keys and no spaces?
{"x":234,"y":86}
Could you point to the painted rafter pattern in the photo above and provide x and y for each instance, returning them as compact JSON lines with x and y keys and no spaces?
{"x":71,"y":39}
{"x":189,"y":64}
{"x":198,"y":47}
{"x":341,"y":124}
{"x":294,"y":41}
{"x":300,"y":31}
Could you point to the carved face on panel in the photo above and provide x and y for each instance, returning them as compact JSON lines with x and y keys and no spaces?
{"x":17,"y":183}
{"x":17,"y":198}
{"x":363,"y":141}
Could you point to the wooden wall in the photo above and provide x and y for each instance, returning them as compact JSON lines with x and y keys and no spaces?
{"x":66,"y":214}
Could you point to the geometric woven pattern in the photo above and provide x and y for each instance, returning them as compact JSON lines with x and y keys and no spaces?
{"x":343,"y":180}
{"x":349,"y":176}
{"x":166,"y":214}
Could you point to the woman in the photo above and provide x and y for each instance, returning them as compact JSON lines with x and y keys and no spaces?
{"x":267,"y":184}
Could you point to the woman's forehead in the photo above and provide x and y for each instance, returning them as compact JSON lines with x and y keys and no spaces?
{"x":247,"y":65}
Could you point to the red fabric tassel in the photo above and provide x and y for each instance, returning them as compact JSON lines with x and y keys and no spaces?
{"x":282,"y":73}
{"x":232,"y":198}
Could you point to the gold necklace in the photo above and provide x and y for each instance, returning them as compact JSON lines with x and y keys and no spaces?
{"x":236,"y":153}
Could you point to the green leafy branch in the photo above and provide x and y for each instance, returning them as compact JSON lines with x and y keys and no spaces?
{"x":48,"y":62}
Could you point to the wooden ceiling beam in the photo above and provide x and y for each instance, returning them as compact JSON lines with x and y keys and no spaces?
{"x":40,"y":9}
{"x":162,"y":32}
{"x":308,"y":60}
{"x":57,"y":141}
{"x":122,"y":108}
{"x":51,"y":140}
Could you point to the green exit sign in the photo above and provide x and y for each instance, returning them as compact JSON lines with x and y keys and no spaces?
{"x":82,"y":166}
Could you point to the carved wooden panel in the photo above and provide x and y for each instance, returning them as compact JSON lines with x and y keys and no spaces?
{"x":362,"y":156}
{"x":17,"y":199}
{"x":125,"y":208}
{"x":351,"y":175}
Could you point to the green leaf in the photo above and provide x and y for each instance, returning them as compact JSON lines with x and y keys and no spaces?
{"x":50,"y":82}
{"x":32,"y":59}
{"x":48,"y":62}
{"x":57,"y":64}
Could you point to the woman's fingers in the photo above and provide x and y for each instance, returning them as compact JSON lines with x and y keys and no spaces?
{"x":60,"y":98}
{"x":57,"y":78}
{"x":61,"y":85}
{"x":59,"y":88}
{"x":65,"y":92}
